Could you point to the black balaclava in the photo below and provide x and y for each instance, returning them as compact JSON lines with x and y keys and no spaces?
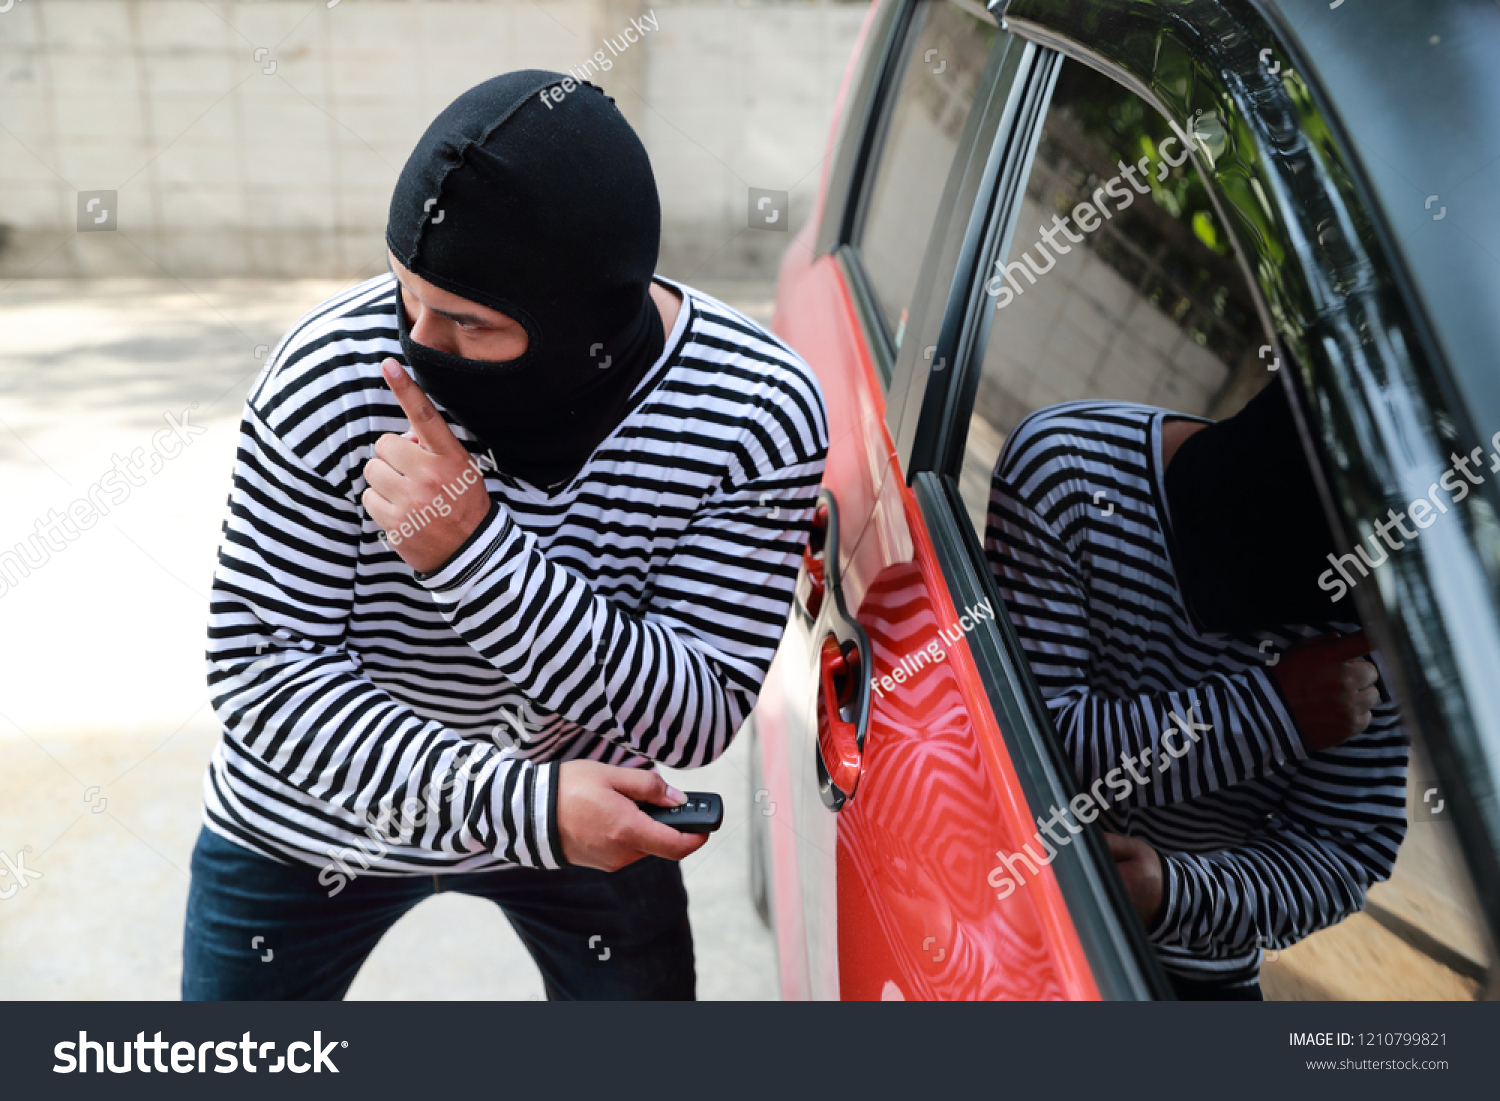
{"x":546,"y":211}
{"x":1249,"y":533}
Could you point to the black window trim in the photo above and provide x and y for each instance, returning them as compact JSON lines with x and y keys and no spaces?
{"x":878,"y":132}
{"x":924,"y":435}
{"x":852,"y":174}
{"x":882,"y":348}
{"x":863,"y":104}
{"x":857,"y":174}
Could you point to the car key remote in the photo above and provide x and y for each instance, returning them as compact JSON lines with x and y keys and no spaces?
{"x":702,"y":813}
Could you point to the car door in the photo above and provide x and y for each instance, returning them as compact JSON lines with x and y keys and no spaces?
{"x":880,"y":745}
{"x":1223,"y":273}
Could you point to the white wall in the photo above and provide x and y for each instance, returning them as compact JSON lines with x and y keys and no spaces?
{"x":223,"y":168}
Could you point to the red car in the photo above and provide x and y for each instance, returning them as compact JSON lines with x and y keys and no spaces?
{"x":901,"y":743}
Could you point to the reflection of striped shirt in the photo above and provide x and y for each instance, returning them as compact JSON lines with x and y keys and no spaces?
{"x":631,"y":617}
{"x":1262,"y":842}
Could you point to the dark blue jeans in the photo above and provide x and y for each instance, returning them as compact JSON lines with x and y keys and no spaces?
{"x":635,"y":918}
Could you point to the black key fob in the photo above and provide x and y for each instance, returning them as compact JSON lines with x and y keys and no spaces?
{"x":702,"y":813}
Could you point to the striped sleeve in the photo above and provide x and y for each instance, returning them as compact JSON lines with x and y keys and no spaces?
{"x":1306,"y":868}
{"x":1228,"y":728}
{"x":1262,"y":843}
{"x":676,"y":682}
{"x":296,"y":704}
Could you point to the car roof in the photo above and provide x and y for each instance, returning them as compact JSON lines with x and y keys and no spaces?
{"x":1415,"y":89}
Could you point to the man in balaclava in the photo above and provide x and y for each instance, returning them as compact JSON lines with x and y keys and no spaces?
{"x":1222,"y":723}
{"x":508,"y":525}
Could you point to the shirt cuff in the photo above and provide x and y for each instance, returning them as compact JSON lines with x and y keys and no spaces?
{"x":1167,"y":920}
{"x":493,"y":536}
{"x":554,"y":838}
{"x":529,"y":807}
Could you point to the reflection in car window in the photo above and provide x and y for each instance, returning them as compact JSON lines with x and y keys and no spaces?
{"x":1150,"y":305}
{"x":943,"y":64}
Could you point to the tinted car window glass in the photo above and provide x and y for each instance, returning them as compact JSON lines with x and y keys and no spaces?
{"x":1148,"y":305}
{"x":943,"y":63}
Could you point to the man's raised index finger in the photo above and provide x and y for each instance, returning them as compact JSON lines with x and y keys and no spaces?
{"x":432,"y":430}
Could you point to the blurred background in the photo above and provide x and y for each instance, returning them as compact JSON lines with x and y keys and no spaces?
{"x":180,"y":180}
{"x":242,"y":157}
{"x":261,"y":139}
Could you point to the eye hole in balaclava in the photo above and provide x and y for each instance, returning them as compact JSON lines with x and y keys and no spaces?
{"x":546,"y":211}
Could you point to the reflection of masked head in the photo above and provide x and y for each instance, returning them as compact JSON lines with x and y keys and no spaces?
{"x":548,"y":213}
{"x":1248,"y":529}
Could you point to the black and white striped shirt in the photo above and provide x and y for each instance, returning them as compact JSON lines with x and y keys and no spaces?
{"x":629,"y":618}
{"x":1262,"y":842}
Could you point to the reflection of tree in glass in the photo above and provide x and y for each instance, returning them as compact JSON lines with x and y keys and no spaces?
{"x":1170,"y":247}
{"x":1128,"y":130}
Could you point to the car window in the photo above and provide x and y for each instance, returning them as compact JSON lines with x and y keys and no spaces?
{"x":1150,"y":305}
{"x":944,"y":58}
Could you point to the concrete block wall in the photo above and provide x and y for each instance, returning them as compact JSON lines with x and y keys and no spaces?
{"x":262,"y":138}
{"x":1083,"y":331}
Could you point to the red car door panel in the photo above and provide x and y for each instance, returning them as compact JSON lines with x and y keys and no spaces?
{"x":815,"y":315}
{"x":801,"y":829}
{"x":887,"y":897}
{"x":917,"y":917}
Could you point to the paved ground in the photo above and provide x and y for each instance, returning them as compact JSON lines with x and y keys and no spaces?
{"x":104,"y":723}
